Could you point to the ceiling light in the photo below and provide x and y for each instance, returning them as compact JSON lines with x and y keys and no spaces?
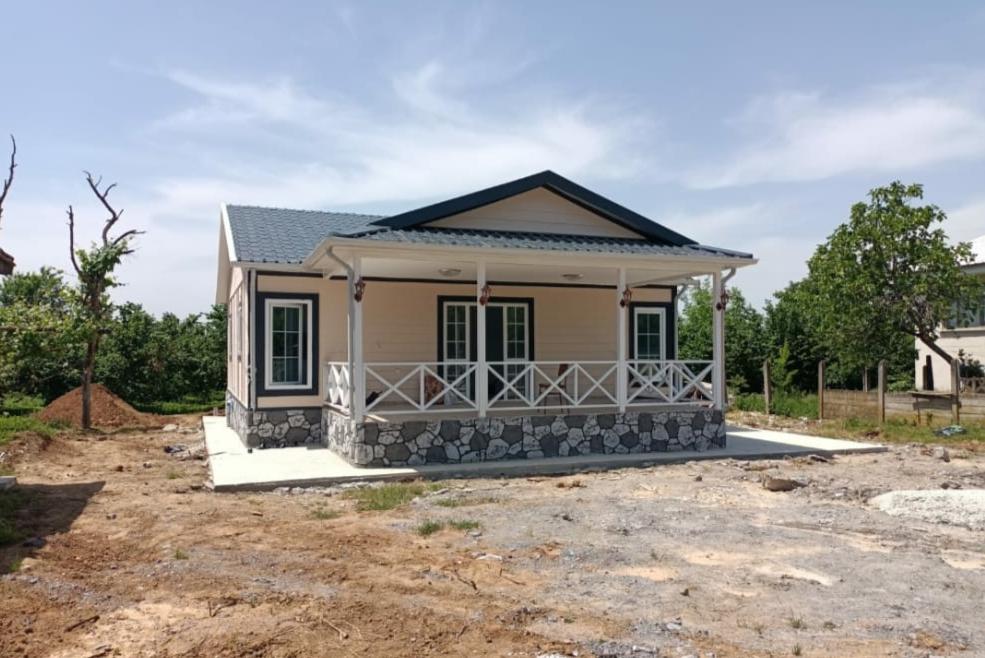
{"x":449,"y":271}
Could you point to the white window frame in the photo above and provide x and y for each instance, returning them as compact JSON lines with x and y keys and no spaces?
{"x":268,"y":356}
{"x":650,"y":310}
{"x":465,"y":387}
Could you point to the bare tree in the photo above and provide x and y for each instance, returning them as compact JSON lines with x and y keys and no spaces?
{"x":6,"y":260}
{"x":94,"y":267}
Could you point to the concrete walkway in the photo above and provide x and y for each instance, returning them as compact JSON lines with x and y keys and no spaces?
{"x":234,"y":469}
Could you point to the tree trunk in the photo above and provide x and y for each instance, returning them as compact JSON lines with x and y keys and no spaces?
{"x":936,"y":349}
{"x":87,"y":369}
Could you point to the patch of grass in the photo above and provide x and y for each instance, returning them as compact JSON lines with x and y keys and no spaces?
{"x":796,"y":622}
{"x":11,"y":502}
{"x":796,"y":650}
{"x":10,"y":426}
{"x":465,"y":502}
{"x":793,"y":405}
{"x":429,"y":527}
{"x":464,"y":524}
{"x":180,"y":554}
{"x":185,"y":405}
{"x":19,"y":404}
{"x":900,"y":430}
{"x":389,"y":496}
{"x":173,"y":475}
{"x":15,"y":566}
{"x":323,"y":514}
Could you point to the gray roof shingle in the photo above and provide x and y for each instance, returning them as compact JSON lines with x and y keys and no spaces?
{"x":278,"y":235}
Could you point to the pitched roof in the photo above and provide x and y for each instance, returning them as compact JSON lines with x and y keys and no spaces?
{"x":280,"y":235}
{"x":550,"y":181}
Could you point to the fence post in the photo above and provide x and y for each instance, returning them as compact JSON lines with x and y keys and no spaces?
{"x":767,"y":386}
{"x":820,"y":390}
{"x":865,"y":380}
{"x":955,"y":392}
{"x":882,"y":391}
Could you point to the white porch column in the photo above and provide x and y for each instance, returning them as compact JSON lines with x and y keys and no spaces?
{"x":481,"y":373}
{"x":356,"y":369}
{"x":622,"y":373}
{"x":718,"y":342}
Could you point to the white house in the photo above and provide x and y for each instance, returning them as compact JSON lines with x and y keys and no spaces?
{"x":964,"y":332}
{"x":531,"y":319}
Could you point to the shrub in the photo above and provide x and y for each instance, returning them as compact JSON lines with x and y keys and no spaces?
{"x":20,"y":404}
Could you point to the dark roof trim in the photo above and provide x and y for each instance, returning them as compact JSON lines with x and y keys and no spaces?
{"x":553,"y":182}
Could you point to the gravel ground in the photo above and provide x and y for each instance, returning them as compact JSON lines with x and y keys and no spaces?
{"x":965,"y":508}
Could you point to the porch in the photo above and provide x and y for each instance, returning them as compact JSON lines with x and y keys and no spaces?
{"x":597,"y":373}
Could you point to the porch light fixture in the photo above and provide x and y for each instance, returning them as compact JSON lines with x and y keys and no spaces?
{"x":573,"y":276}
{"x":449,"y":271}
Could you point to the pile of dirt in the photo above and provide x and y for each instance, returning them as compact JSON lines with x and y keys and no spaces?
{"x":108,"y":410}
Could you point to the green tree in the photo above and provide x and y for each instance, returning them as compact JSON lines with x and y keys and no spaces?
{"x":791,"y":321}
{"x":745,"y":345}
{"x":889,"y":271}
{"x":95,"y":269}
{"x":37,"y":353}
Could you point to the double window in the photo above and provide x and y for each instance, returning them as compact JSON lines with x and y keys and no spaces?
{"x":287,"y":361}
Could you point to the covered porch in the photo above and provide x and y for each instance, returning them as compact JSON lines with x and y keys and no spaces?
{"x":468,"y":356}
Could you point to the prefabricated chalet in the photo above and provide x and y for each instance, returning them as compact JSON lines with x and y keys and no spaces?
{"x":532,"y":319}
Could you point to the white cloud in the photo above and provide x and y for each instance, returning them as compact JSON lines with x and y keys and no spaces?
{"x":803,"y":137}
{"x":966,"y":222}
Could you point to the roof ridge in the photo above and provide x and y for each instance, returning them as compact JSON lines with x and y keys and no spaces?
{"x":307,"y":210}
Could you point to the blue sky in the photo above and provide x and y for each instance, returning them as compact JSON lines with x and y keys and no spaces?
{"x":753,"y":126}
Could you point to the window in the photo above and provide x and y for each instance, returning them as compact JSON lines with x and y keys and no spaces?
{"x":649,"y":338}
{"x":288,"y":343}
{"x":964,"y":317}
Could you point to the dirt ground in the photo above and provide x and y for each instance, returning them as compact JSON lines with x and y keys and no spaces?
{"x":139,"y":559}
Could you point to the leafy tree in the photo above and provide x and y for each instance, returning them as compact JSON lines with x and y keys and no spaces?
{"x":791,"y":321}
{"x":745,"y":344}
{"x":95,"y":267}
{"x":889,"y":271}
{"x":37,"y":352}
{"x":6,"y":260}
{"x":782,"y":374}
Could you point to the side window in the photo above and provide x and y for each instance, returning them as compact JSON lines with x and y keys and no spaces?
{"x":288,"y":342}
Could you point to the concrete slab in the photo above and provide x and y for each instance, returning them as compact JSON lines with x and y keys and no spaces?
{"x":233,"y":468}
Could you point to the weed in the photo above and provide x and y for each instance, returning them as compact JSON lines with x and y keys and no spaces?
{"x":464,"y":524}
{"x":15,"y":566}
{"x":464,"y":502}
{"x":179,"y":554}
{"x":429,"y":527}
{"x":173,"y":475}
{"x":388,"y":496}
{"x":796,"y":622}
{"x":829,"y":625}
{"x":323,"y":514}
{"x":796,"y":650}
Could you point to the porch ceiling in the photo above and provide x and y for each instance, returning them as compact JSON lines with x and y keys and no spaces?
{"x":451,"y":269}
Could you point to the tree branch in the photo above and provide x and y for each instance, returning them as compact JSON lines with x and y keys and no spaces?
{"x":71,"y":240}
{"x":936,"y":349}
{"x":7,"y":182}
{"x":103,"y":196}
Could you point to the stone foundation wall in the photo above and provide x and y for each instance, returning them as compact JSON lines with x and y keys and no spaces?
{"x":523,"y":437}
{"x":274,"y":428}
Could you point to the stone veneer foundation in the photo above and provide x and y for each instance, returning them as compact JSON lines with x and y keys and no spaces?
{"x":415,"y":442}
{"x":274,"y":428}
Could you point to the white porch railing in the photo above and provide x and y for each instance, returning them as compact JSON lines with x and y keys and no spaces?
{"x":338,"y":384}
{"x":417,"y":387}
{"x":412,"y":388}
{"x":669,"y":382}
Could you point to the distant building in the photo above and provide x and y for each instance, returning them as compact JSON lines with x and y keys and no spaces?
{"x":6,"y":263}
{"x":964,"y":332}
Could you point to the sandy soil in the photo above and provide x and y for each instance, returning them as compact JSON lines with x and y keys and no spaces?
{"x":697,"y":559}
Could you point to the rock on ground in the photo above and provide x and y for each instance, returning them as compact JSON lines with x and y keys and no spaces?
{"x":963,"y":507}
